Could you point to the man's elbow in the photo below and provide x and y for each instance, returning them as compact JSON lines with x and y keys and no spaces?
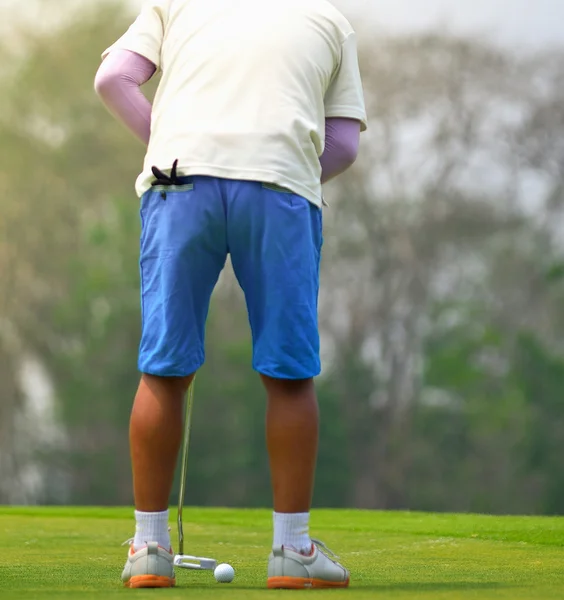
{"x":348,"y":153}
{"x":105,"y":83}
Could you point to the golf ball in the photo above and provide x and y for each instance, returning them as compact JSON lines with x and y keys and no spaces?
{"x":224,"y":573}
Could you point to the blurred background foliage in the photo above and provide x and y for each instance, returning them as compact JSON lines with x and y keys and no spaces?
{"x":441,"y":303}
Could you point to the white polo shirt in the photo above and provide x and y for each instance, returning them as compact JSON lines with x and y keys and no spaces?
{"x":246,"y":87}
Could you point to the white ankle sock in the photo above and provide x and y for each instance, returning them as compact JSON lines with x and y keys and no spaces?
{"x":292,"y":530}
{"x":151,"y":527}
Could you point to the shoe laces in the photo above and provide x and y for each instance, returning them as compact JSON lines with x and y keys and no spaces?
{"x":132,"y":539}
{"x":323,"y":548}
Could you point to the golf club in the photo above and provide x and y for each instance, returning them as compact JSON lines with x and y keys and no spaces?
{"x":182,"y":560}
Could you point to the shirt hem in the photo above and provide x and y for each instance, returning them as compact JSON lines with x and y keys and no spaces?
{"x":141,"y":50}
{"x":348,"y":112}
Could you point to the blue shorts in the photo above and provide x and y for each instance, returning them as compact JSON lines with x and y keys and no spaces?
{"x":274,"y":238}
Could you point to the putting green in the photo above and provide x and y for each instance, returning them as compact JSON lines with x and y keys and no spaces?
{"x":72,"y":553}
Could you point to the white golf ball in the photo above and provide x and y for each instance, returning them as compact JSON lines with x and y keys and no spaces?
{"x":224,"y":573}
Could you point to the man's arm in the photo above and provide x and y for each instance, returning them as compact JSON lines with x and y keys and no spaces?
{"x":118,"y":83}
{"x":342,"y":138}
{"x":345,"y":112}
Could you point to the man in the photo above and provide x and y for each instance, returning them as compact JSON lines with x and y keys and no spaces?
{"x":260,"y":102}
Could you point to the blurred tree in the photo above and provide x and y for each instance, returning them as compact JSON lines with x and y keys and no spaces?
{"x":435,"y":217}
{"x":441,"y":294}
{"x":68,"y":272}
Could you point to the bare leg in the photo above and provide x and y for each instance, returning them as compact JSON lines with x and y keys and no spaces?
{"x":292,"y":437}
{"x":292,"y":432}
{"x":155,"y":437}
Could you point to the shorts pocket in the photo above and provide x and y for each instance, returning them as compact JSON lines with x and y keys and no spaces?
{"x":170,"y":189}
{"x":317,"y":228}
{"x":166,"y":212}
{"x":276,"y":188}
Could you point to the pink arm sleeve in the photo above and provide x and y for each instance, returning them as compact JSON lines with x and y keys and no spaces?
{"x":342,"y":138}
{"x":118,"y":84}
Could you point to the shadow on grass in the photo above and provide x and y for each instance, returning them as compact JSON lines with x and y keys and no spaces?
{"x":455,"y":586}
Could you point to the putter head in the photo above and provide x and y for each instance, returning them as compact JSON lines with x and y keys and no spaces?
{"x":196,"y":563}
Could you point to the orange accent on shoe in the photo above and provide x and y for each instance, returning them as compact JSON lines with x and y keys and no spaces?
{"x":300,"y":583}
{"x":150,"y":581}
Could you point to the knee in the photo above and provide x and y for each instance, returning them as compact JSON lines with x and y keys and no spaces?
{"x":175,"y":385}
{"x":288,"y":387}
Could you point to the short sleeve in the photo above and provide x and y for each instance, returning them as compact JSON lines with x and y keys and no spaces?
{"x":345,"y":96}
{"x":145,"y":36}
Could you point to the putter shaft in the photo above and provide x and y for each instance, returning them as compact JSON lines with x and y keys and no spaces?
{"x":184,"y":467}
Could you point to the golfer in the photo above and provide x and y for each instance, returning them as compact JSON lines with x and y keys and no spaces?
{"x":259,"y":103}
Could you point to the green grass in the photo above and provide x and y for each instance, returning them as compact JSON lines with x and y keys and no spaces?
{"x":75,"y":553}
